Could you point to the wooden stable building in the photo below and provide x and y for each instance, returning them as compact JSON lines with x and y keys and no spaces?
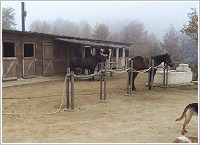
{"x":31,"y":54}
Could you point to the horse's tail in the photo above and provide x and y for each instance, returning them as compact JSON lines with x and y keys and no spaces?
{"x":183,"y":114}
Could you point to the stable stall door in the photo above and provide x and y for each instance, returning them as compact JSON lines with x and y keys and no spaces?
{"x":29,"y":60}
{"x":9,"y":69}
{"x":47,"y":59}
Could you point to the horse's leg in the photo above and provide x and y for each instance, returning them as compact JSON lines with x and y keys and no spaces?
{"x":98,"y":67}
{"x":92,"y":72}
{"x":154,"y":72}
{"x":89,"y":72}
{"x":83,"y":70}
{"x":133,"y":80}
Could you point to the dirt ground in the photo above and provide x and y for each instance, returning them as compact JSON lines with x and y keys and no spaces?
{"x":144,"y":117}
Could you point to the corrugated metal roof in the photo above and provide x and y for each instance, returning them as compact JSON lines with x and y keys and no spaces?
{"x":93,"y":43}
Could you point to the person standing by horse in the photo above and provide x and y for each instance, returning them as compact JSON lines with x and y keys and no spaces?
{"x":101,"y":65}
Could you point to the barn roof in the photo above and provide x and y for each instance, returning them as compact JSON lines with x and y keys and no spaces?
{"x":75,"y":40}
{"x":93,"y":43}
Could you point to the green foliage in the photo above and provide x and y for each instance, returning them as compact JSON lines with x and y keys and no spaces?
{"x":8,"y":19}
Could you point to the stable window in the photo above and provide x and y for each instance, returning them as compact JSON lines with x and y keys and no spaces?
{"x":28,"y":50}
{"x":8,"y":49}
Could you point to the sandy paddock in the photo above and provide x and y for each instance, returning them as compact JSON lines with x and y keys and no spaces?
{"x":145,"y":117}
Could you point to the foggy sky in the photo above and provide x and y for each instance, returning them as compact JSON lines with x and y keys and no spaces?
{"x":156,"y":16}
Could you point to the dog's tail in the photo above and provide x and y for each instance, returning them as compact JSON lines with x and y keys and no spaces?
{"x":183,"y":114}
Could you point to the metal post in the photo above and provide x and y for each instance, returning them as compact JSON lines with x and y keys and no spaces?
{"x":23,"y":16}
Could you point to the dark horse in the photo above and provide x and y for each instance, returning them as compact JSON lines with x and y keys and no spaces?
{"x":140,"y":63}
{"x":89,"y":63}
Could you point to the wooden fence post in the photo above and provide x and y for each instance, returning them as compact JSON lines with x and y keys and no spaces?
{"x":128,"y":83}
{"x":131,"y":77}
{"x":152,"y":72}
{"x":164,"y":68}
{"x":149,"y":74}
{"x":105,"y":77}
{"x":67,"y":88}
{"x":72,"y":90}
{"x":128,"y":80}
{"x":101,"y":83}
{"x":167,"y":73}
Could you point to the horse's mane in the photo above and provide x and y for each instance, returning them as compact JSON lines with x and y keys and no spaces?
{"x":158,"y":57}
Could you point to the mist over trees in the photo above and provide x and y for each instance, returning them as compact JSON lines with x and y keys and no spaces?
{"x":85,"y":29}
{"x":101,"y":32}
{"x":40,"y":26}
{"x":182,"y":44}
{"x":171,"y":43}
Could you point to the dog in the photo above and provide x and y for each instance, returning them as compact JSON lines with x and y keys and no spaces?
{"x":189,"y":111}
{"x":186,"y":139}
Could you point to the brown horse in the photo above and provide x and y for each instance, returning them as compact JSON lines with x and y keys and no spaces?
{"x":140,"y":63}
{"x":86,"y":63}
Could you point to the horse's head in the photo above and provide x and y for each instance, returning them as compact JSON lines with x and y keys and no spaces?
{"x":104,"y":57}
{"x":168,"y":60}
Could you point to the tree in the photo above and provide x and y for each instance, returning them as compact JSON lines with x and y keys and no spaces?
{"x":85,"y":29}
{"x":114,"y":37}
{"x":58,"y":26}
{"x":191,"y":29}
{"x":40,"y":26}
{"x":152,"y":45}
{"x":8,"y":19}
{"x":134,"y":33}
{"x":171,"y":43}
{"x":101,"y":32}
{"x":189,"y":50}
{"x":71,"y":29}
